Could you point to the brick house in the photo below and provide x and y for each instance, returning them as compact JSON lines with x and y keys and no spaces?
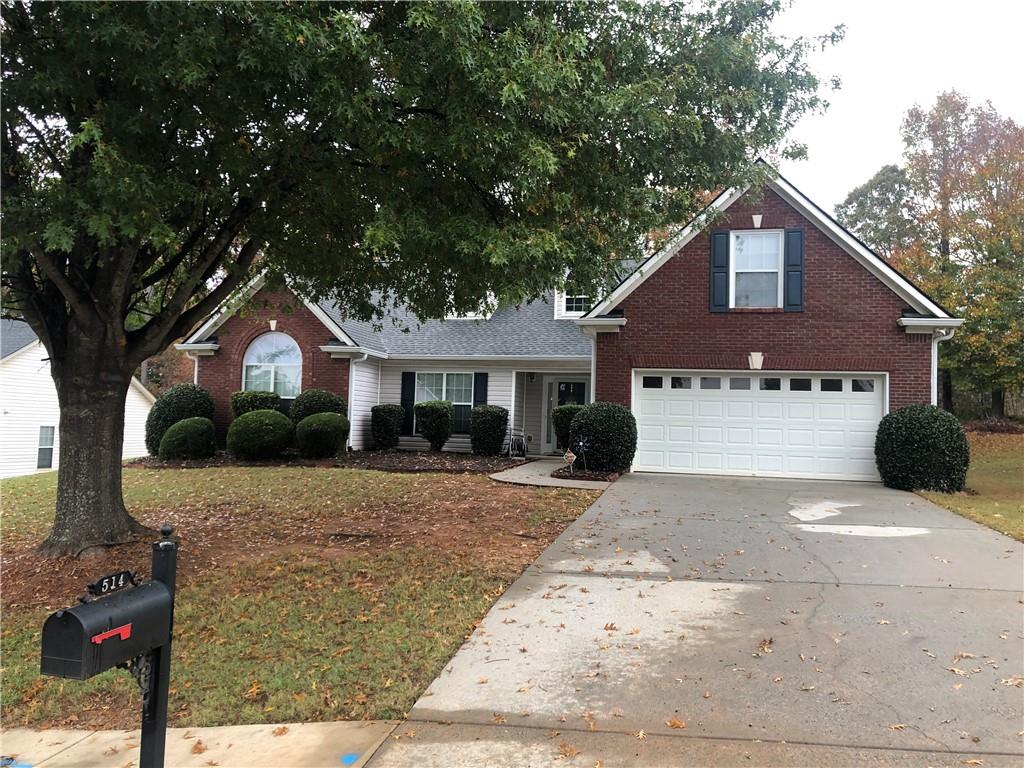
{"x":763,"y":339}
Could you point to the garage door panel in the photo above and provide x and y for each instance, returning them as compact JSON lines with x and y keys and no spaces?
{"x":750,"y":431}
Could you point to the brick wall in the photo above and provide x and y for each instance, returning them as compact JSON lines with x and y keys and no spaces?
{"x":848,"y":322}
{"x":221,"y":373}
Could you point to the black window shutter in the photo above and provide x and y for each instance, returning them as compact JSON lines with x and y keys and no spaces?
{"x":719,"y":275}
{"x":408,"y":400}
{"x":793,"y":287}
{"x":480,"y":388}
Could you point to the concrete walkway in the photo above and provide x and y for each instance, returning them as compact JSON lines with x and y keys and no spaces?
{"x":310,"y":745}
{"x":538,"y":472}
{"x":687,"y":620}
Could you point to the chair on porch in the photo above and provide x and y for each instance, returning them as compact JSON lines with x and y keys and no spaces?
{"x":516,"y":443}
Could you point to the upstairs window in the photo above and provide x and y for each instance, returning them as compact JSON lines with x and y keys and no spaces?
{"x":273,"y":363}
{"x":575,"y":305}
{"x":755,"y":269}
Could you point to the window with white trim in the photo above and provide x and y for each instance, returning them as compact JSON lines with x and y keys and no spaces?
{"x":273,"y":363}
{"x":456,"y":388}
{"x":571,"y":306}
{"x":755,"y":269}
{"x":44,"y":457}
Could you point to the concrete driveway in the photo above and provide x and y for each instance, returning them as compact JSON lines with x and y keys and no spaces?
{"x":689,"y":620}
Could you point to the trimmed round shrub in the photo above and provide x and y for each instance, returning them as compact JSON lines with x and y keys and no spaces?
{"x":244,"y":402}
{"x":182,"y":401}
{"x":604,"y":435}
{"x":386,"y":425}
{"x":434,"y":422}
{"x":316,"y":401}
{"x":922,"y":448}
{"x":260,"y":435}
{"x":487,"y":427}
{"x":192,"y":438}
{"x":321,"y":435}
{"x":562,"y":417}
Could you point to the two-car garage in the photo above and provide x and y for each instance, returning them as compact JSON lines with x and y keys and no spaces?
{"x":767,"y":423}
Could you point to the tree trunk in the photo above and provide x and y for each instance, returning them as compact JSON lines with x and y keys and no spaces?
{"x":946,"y":382}
{"x":999,"y":403}
{"x":90,"y":508}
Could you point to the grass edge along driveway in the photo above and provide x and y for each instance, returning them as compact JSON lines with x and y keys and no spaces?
{"x":319,"y":626}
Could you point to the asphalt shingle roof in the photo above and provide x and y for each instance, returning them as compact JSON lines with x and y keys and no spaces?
{"x":529,"y":330}
{"x":14,"y":335}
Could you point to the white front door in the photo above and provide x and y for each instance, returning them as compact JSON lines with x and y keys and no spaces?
{"x":558,"y":390}
{"x":819,"y":425}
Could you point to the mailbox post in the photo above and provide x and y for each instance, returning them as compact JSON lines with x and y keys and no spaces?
{"x":127,"y":625}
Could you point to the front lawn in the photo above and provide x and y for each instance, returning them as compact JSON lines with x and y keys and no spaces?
{"x":995,"y":482}
{"x":304,"y":593}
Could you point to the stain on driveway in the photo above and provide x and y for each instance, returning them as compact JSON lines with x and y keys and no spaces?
{"x":700,"y":620}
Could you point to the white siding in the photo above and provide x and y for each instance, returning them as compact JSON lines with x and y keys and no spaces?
{"x":28,"y":400}
{"x":363,"y":386}
{"x":500,"y":387}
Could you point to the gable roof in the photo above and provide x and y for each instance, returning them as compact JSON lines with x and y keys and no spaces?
{"x":527,"y":331}
{"x":842,"y":237}
{"x":15,"y":335}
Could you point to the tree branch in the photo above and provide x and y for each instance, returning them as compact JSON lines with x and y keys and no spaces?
{"x":79,"y":302}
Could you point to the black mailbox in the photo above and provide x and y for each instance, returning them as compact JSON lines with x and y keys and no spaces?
{"x":92,"y":637}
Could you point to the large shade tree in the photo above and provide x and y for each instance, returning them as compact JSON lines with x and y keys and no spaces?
{"x":156,"y":154}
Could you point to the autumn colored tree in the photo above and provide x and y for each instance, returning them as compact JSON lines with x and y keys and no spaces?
{"x":964,"y":172}
{"x":434,"y":153}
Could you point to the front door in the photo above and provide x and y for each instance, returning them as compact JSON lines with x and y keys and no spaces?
{"x":559,"y":392}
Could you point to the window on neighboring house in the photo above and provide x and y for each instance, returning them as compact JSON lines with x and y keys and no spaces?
{"x":457,"y":388}
{"x":576,"y":305}
{"x":273,"y":363}
{"x":44,"y":459}
{"x":755,"y":269}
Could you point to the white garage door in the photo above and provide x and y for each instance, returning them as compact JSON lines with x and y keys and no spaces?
{"x":758,"y":423}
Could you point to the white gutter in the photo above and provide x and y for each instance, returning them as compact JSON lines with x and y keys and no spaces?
{"x":199,"y":348}
{"x":929,"y":324}
{"x":937,"y":337}
{"x":342,"y":350}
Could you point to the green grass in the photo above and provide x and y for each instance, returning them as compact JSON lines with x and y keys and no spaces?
{"x":995,"y":483}
{"x":277,"y":619}
{"x":288,"y":641}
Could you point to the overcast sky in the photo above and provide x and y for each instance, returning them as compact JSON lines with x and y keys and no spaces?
{"x":897,"y":53}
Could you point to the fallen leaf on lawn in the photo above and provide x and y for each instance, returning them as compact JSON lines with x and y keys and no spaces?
{"x":707,"y":694}
{"x":567,"y":751}
{"x":640,"y":734}
{"x":956,"y":671}
{"x":498,"y":718}
{"x":410,"y":734}
{"x":963,"y":655}
{"x":675,"y":722}
{"x":1016,"y":681}
{"x":883,"y":621}
{"x":482,"y":681}
{"x":777,"y":679}
{"x":552,"y":734}
{"x":765,"y":646}
{"x":898,"y":727}
{"x":929,"y":653}
{"x":807,"y":688}
{"x":610,"y":626}
{"x":281,"y":730}
{"x":198,"y":748}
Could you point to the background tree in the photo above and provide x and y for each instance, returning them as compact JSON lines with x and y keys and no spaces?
{"x":434,"y":152}
{"x":964,"y":167}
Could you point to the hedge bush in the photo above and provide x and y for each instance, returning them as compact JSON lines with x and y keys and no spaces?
{"x":562,"y":417}
{"x":487,"y":427}
{"x":922,"y":447}
{"x":321,"y":435}
{"x":316,"y":401}
{"x":245,"y":402}
{"x":260,"y":435}
{"x":434,"y":422}
{"x":607,"y":432}
{"x":192,"y":438}
{"x":182,"y":401}
{"x":386,"y":425}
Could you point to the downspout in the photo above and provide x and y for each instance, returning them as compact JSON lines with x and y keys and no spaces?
{"x":351,"y":391}
{"x":938,"y":336}
{"x":195,"y":367}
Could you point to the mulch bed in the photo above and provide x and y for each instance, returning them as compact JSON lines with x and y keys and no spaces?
{"x":564,"y":473}
{"x":996,"y":426}
{"x":383,"y":461}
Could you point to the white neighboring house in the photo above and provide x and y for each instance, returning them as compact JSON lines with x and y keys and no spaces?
{"x":29,"y":414}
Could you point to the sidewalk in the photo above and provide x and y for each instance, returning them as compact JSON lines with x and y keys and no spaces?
{"x":538,"y":472}
{"x":310,"y":745}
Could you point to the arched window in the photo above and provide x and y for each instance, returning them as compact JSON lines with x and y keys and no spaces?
{"x":273,"y":363}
